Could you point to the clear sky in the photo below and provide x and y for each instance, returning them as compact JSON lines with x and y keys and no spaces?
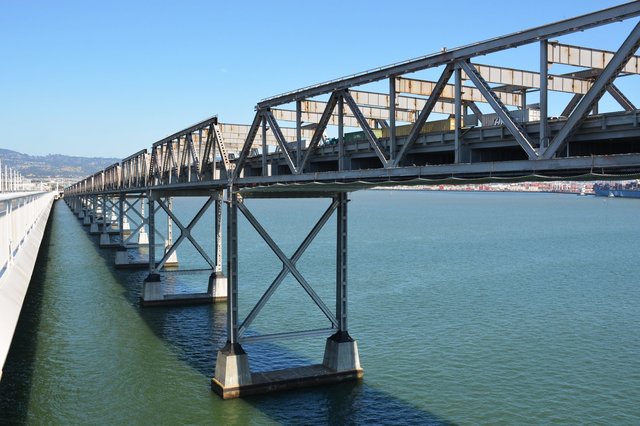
{"x":107,"y":78}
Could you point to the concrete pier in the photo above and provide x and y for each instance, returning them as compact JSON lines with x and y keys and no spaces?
{"x":233,"y":377}
{"x":154,"y":290}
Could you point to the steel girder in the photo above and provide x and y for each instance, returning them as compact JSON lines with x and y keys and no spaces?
{"x":608,"y":75}
{"x":181,"y":158}
{"x":556,"y":29}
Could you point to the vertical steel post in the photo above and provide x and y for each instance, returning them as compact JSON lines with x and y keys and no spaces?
{"x":458,"y":114}
{"x":544,"y":82}
{"x":169,"y":224}
{"x":121,"y":217}
{"x":264,"y":146}
{"x":232,"y":267}
{"x":299,"y":132}
{"x":341,"y":262}
{"x":152,"y":234}
{"x":341,"y":133}
{"x":218,"y":231}
{"x":392,"y":118}
{"x":523,"y":102}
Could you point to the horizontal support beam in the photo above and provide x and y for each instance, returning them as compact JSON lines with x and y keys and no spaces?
{"x":234,"y":134}
{"x":588,"y":58}
{"x":314,"y":117}
{"x":530,"y":79}
{"x":469,"y":94}
{"x":369,"y":112}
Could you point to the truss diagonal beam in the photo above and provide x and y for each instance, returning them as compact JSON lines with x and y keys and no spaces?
{"x":620,"y":98}
{"x":222,"y":149}
{"x":373,"y":140}
{"x":284,"y":272}
{"x":275,"y":129}
{"x":288,"y":264}
{"x":571,"y":105}
{"x":253,"y":131}
{"x":514,"y":128}
{"x":424,"y":114}
{"x":608,"y":75}
{"x":317,"y":135}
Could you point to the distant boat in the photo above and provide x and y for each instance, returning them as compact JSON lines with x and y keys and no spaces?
{"x":629,"y":190}
{"x":582,"y":192}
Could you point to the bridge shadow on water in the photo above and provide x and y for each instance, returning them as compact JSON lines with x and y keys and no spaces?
{"x":194,"y":334}
{"x":15,"y":386}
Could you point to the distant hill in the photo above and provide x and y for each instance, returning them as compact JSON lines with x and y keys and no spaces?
{"x":53,"y":165}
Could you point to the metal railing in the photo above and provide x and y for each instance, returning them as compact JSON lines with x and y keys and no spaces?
{"x":10,"y":180}
{"x":19,"y":212}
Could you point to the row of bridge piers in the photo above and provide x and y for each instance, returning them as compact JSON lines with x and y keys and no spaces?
{"x":143,"y":223}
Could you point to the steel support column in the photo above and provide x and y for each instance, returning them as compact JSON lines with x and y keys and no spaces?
{"x":392,"y":118}
{"x":264,"y":147}
{"x":341,"y":151}
{"x":298,"y":132}
{"x":153,"y":271}
{"x":341,"y":263}
{"x":458,"y":114}
{"x":232,"y":268}
{"x":544,"y":94}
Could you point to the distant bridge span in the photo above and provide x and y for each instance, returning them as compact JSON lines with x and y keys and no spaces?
{"x":490,"y":132}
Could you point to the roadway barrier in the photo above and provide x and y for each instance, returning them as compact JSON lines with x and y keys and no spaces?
{"x":23,"y":219}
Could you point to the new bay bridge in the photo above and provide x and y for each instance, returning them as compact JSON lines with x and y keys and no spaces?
{"x":473,"y":122}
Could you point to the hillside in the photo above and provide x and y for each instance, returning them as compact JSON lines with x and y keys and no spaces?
{"x":53,"y":165}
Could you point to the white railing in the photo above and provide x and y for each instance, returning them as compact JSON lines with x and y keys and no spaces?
{"x":19,"y":212}
{"x":10,"y":180}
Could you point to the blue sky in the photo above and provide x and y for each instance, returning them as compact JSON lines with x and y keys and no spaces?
{"x":109,"y":78}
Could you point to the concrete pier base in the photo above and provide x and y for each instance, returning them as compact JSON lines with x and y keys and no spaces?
{"x":217,"y":286}
{"x":152,"y":289}
{"x":143,"y":238}
{"x":93,"y":229}
{"x":173,"y":259}
{"x":86,"y":220}
{"x":232,"y":371}
{"x":154,"y":294}
{"x":282,"y":380}
{"x":341,"y":353}
{"x":105,"y":240}
{"x":81,"y":214}
{"x":341,"y":363}
{"x":122,"y":257}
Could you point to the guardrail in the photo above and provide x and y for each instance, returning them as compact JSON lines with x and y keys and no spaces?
{"x":23,"y":219}
{"x":19,"y":212}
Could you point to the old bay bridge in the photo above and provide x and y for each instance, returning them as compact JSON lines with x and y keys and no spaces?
{"x":491,"y":133}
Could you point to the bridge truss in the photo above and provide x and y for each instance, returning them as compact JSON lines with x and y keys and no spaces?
{"x":398,"y":142}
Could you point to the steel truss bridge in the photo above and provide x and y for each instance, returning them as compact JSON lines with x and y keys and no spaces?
{"x":230,"y":162}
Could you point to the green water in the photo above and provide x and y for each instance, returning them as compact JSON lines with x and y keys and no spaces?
{"x":467,"y":308}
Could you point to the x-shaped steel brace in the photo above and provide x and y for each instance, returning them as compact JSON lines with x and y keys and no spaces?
{"x":289,"y":266}
{"x":129,"y":207}
{"x":185,"y":232}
